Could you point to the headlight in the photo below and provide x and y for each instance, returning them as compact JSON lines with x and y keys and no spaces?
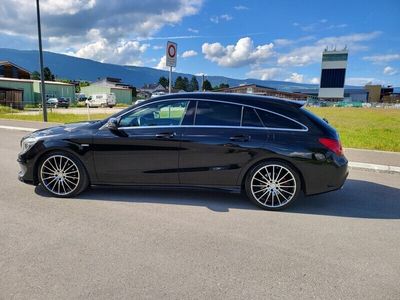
{"x":28,"y":143}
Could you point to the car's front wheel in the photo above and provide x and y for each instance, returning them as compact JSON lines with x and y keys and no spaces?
{"x":62,"y":175}
{"x":273,"y":185}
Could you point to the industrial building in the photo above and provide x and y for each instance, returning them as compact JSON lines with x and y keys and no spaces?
{"x":333,"y":74}
{"x":19,"y":92}
{"x":262,"y":90}
{"x":11,"y":70}
{"x":108,"y":85}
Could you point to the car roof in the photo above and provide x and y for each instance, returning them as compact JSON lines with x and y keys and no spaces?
{"x":253,"y":100}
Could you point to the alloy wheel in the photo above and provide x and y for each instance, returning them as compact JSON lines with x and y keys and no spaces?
{"x":273,"y":186}
{"x":60,"y":175}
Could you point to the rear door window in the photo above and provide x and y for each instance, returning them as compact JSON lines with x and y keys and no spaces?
{"x":217,"y":114}
{"x":272,"y":120}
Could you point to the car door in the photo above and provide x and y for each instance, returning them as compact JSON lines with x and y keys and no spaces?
{"x":144,"y":149}
{"x":216,"y":147}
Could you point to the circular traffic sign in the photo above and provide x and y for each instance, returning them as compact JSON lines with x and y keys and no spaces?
{"x":171,"y":51}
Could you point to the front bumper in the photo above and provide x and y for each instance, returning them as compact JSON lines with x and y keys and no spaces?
{"x":26,"y":174}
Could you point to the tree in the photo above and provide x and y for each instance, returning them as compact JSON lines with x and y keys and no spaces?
{"x":134,"y":92}
{"x":207,"y":85}
{"x":221,"y":86}
{"x":35,"y":75}
{"x":180,"y":83}
{"x":163,"y":81}
{"x":186,"y":84}
{"x":48,"y":76}
{"x":81,"y":84}
{"x":193,"y":85}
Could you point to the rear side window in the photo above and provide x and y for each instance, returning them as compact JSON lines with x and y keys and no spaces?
{"x":217,"y":114}
{"x":250,"y":118}
{"x":272,"y":120}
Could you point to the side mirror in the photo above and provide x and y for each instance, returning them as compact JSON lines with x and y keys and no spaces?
{"x":112,"y":124}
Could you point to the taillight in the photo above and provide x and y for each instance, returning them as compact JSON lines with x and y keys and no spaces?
{"x":333,"y":145}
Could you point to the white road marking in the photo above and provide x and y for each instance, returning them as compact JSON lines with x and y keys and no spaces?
{"x":18,"y":128}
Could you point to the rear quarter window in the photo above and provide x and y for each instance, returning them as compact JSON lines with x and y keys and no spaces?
{"x":272,"y":120}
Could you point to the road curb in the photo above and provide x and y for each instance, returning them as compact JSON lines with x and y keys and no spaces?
{"x":374,"y":167}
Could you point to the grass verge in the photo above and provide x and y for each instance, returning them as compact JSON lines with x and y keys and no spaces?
{"x":365,"y":128}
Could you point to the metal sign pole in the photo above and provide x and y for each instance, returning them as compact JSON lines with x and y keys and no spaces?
{"x":42,"y":86}
{"x":170,"y":80}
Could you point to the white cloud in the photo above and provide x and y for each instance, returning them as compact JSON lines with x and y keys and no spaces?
{"x":224,"y":17}
{"x":162,"y":63}
{"x":241,"y":54}
{"x":264,"y":74}
{"x":295,"y":77}
{"x":193,"y":30}
{"x":361,"y":81}
{"x":189,"y":53}
{"x":314,"y":80}
{"x":67,"y":25}
{"x":60,"y":7}
{"x":383,"y":58}
{"x":337,"y":26}
{"x":283,"y":42}
{"x":389,"y":71}
{"x":123,"y":52}
{"x":312,"y":53}
{"x":241,"y":7}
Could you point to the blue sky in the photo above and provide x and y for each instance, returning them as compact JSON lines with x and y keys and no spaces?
{"x":277,"y":40}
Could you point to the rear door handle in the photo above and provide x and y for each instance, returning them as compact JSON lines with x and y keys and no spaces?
{"x":240,"y":138}
{"x":165,"y":135}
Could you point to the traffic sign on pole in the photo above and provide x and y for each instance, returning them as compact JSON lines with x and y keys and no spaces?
{"x":171,"y":53}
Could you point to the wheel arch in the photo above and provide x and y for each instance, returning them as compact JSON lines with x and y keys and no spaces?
{"x":277,"y":159}
{"x":56,"y":149}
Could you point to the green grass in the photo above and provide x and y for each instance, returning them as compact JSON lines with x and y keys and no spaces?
{"x":366,"y":128}
{"x":53,"y":117}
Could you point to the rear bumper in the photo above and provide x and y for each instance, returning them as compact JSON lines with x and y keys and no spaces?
{"x":327,"y":177}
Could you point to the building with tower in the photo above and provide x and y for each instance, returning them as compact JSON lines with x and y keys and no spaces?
{"x":333,"y":74}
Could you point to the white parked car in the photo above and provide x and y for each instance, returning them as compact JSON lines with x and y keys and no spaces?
{"x":101,"y":100}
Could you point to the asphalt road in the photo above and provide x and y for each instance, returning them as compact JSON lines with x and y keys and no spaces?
{"x":129,"y":243}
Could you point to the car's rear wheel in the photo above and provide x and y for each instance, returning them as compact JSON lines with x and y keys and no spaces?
{"x":273,"y":185}
{"x":62,"y":175}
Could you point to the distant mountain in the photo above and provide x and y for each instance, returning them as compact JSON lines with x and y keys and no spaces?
{"x":69,"y":67}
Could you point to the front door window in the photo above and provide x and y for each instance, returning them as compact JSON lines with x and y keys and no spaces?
{"x":165,"y":113}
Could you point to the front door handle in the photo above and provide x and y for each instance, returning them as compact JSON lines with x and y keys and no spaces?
{"x":240,"y":138}
{"x":165,"y":135}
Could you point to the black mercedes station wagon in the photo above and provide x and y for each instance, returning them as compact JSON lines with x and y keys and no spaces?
{"x":270,"y":148}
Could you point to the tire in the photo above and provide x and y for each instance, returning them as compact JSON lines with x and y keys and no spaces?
{"x":272,"y":185}
{"x":62,"y":174}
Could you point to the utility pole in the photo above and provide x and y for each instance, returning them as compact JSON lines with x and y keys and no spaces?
{"x":42,"y":85}
{"x":170,"y":81}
